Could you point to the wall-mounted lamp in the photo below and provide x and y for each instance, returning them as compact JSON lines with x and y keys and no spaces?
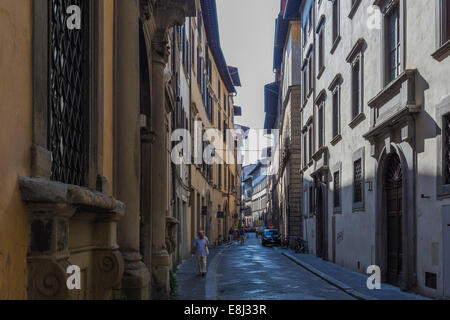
{"x":425,"y":197}
{"x":369,"y":186}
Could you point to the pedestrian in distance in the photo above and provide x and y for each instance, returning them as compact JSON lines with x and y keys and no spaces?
{"x":230,"y":235}
{"x":201,"y":250}
{"x":242,"y":236}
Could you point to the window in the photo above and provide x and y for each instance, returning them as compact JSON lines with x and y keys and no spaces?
{"x":199,"y":25}
{"x":69,"y":96}
{"x":355,"y":58}
{"x":310,"y":143}
{"x":446,"y":147}
{"x":310,"y":19}
{"x":311,"y":200}
{"x":393,"y":44}
{"x":354,"y":8}
{"x":336,"y":190}
{"x":443,"y":36}
{"x":321,"y":50}
{"x":447,"y":19}
{"x":305,"y":154}
{"x":357,"y":181}
{"x":220,"y":176}
{"x":308,"y":75}
{"x":321,"y":124}
{"x":199,"y":69}
{"x":335,"y":24}
{"x":356,"y":88}
{"x":225,"y":102}
{"x":336,"y":112}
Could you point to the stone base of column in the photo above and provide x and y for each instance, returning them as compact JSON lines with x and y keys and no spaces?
{"x":136,"y":278}
{"x":160,"y":275}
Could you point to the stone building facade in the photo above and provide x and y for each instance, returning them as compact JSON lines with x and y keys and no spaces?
{"x":375,"y":103}
{"x":87,"y":152}
{"x":283,"y":113}
{"x":214,"y":187}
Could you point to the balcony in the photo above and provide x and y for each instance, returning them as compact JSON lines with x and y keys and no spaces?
{"x":395,"y":103}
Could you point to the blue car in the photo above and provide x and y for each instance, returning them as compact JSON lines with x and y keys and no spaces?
{"x":271,"y":237}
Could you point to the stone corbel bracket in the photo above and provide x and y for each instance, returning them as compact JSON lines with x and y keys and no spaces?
{"x":52,"y":205}
{"x":171,"y":243}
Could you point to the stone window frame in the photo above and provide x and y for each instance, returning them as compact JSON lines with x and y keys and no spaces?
{"x":41,"y":159}
{"x":385,"y":8}
{"x":355,"y":56}
{"x":321,"y":123}
{"x":442,"y":43}
{"x":320,"y":31}
{"x":305,"y":148}
{"x":359,"y":155}
{"x":335,"y":24}
{"x":443,"y":190}
{"x":335,"y":88}
{"x":337,"y":169}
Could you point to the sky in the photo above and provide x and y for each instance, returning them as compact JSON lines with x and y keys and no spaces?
{"x":247,"y":30}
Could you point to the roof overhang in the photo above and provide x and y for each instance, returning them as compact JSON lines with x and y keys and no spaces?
{"x":209,"y":12}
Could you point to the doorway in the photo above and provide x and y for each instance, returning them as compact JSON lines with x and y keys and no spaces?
{"x":446,"y":247}
{"x":320,"y":221}
{"x":394,"y":213}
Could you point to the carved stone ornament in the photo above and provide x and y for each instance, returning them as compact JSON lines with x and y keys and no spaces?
{"x":171,"y":243}
{"x":53,"y":206}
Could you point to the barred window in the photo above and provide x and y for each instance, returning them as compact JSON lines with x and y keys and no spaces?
{"x":357,"y":182}
{"x":446,"y":144}
{"x":337,"y":190}
{"x":69,"y":94}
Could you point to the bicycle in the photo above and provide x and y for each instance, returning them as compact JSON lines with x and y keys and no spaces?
{"x":300,"y":245}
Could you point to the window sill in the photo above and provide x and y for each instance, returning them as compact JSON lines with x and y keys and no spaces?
{"x":335,"y":44}
{"x":443,"y":52}
{"x":359,"y":207}
{"x":443,"y":192}
{"x":336,"y":140}
{"x":357,"y":120}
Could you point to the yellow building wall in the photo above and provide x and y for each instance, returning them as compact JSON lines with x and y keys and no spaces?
{"x":15,"y":142}
{"x":108,"y":117}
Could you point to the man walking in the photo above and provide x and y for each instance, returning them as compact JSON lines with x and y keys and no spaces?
{"x":201,"y":250}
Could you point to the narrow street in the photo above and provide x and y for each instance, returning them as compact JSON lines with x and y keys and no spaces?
{"x":254,"y":272}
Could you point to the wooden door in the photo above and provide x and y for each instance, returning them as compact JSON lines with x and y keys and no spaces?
{"x":394,"y":198}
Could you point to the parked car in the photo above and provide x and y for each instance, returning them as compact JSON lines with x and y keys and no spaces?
{"x":271,"y":237}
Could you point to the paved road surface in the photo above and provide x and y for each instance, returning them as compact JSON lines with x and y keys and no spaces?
{"x":253,"y":272}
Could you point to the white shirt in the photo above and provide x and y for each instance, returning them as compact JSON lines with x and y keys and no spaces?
{"x":200,"y":245}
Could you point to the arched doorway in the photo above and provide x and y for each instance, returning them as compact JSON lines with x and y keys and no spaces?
{"x":393,"y":188}
{"x":320,"y":243}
